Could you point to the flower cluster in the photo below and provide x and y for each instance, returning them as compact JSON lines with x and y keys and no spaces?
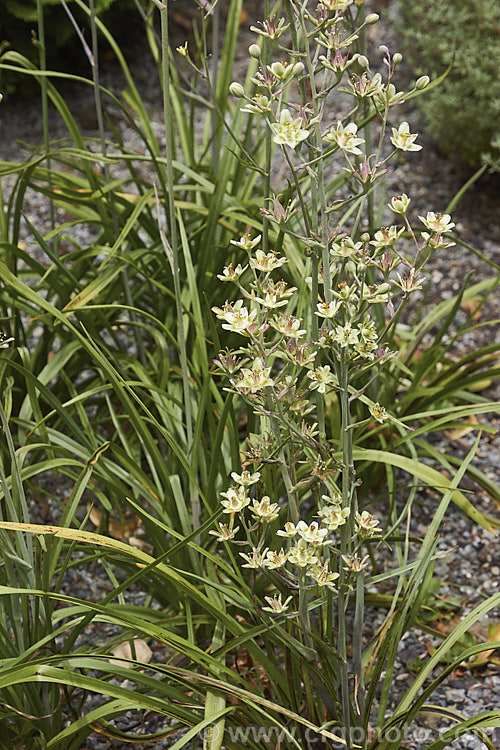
{"x":308,"y":543}
{"x":296,"y":347}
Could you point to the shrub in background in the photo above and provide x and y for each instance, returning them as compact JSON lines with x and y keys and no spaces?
{"x":463,"y":113}
{"x":19,"y":27}
{"x":26,"y":10}
{"x":20,"y":16}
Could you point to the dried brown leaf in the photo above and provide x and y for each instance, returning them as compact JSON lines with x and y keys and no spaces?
{"x":485,"y":656}
{"x":473,"y":308}
{"x":124,"y":651}
{"x":118,"y":529}
{"x":469,"y":425}
{"x":139,"y":543}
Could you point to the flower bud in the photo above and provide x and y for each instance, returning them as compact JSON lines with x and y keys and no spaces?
{"x":372,"y":18}
{"x":351,"y":267}
{"x":255,"y":51}
{"x":383,"y":288}
{"x":397,"y":58}
{"x":362,"y":61}
{"x":399,"y":204}
{"x":236,"y":89}
{"x":298,"y":69}
{"x":365,"y":237}
{"x":422,"y":82}
{"x":383,"y":49}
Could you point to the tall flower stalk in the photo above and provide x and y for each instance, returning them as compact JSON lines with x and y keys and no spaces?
{"x":302,"y":526}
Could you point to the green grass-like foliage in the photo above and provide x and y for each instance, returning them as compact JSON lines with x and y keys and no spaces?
{"x":463,"y":113}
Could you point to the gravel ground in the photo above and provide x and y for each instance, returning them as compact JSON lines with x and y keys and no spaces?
{"x":471,"y":568}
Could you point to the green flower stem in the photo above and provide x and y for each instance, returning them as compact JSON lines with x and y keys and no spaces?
{"x":314,"y":297}
{"x":303,"y":208}
{"x":322,"y":229}
{"x":268,"y":145}
{"x":310,"y":442}
{"x":94,"y":63}
{"x":357,"y":648}
{"x":318,"y":206}
{"x":44,"y":97}
{"x":295,"y":47}
{"x":305,"y":632}
{"x":367,"y":131}
{"x":4,"y":220}
{"x":329,"y":612}
{"x":348,"y":501}
{"x":215,"y":69}
{"x":304,"y":619}
{"x":174,"y":254}
{"x":12,"y":257}
{"x":342,"y":648}
{"x":267,"y":185}
{"x":290,"y":492}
